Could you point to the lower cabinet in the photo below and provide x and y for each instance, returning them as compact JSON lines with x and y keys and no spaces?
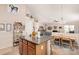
{"x":20,"y":47}
{"x":28,"y":48}
{"x":24,"y":49}
{"x":31,"y":51}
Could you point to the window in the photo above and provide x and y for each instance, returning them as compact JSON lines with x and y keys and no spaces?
{"x":69,"y":28}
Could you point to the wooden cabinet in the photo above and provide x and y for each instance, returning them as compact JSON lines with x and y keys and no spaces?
{"x":31,"y":51}
{"x":41,"y":49}
{"x":24,"y":49}
{"x":32,"y":45}
{"x":20,"y":46}
{"x":29,"y":48}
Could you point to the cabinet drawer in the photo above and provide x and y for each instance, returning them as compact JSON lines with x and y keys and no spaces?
{"x":31,"y":44}
{"x":24,"y":41}
{"x":31,"y":51}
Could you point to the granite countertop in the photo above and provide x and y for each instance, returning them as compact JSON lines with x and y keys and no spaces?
{"x":35,"y":40}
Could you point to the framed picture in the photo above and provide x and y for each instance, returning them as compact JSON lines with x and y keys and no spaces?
{"x":2,"y":27}
{"x":8,"y":27}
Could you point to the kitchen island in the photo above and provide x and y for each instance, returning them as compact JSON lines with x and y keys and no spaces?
{"x":31,"y":46}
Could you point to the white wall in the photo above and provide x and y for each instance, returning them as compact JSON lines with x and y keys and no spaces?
{"x":6,"y":38}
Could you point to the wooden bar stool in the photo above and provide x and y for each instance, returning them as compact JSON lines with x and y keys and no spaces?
{"x":65,"y":42}
{"x":57,"y":40}
{"x":74,"y":44}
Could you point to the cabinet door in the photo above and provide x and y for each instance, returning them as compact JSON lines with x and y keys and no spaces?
{"x":24,"y":49}
{"x":20,"y":47}
{"x":32,"y":45}
{"x":31,"y":51}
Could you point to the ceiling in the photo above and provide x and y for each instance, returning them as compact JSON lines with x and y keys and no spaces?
{"x":51,"y":12}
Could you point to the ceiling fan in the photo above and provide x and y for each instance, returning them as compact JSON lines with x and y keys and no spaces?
{"x":13,"y":8}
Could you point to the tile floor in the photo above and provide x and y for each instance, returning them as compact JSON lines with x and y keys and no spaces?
{"x":10,"y":51}
{"x":55,"y":51}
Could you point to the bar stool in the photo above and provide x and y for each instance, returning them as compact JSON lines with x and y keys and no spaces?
{"x":57,"y":40}
{"x":74,"y":44}
{"x":65,"y":42}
